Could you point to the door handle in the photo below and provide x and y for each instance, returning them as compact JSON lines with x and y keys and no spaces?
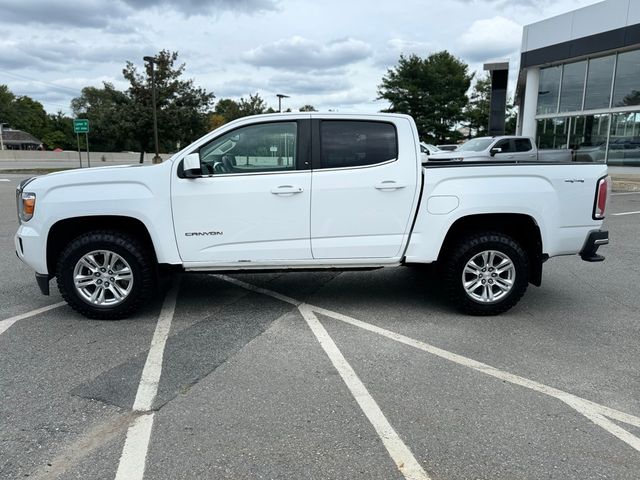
{"x":286,"y":190}
{"x":389,"y":185}
{"x":509,"y":156}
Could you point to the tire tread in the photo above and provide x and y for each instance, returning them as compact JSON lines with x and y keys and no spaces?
{"x":125,"y":241}
{"x":451,"y":273}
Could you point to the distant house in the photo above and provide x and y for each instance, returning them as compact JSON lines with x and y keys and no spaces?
{"x":19,"y":140}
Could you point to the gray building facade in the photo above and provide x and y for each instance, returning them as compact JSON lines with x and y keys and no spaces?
{"x":579,"y":82}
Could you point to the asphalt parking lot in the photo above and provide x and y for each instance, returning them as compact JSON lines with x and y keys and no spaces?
{"x":362,"y":375}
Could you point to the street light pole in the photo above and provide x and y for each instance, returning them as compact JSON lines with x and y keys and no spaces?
{"x":280,"y":97}
{"x":152,"y":62}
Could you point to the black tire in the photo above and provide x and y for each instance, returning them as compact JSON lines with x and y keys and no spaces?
{"x":462,"y":252}
{"x":126,"y":246}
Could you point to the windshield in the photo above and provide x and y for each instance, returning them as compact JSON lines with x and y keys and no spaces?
{"x":475,"y":145}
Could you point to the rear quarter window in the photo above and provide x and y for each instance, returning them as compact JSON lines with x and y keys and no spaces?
{"x":356,"y":143}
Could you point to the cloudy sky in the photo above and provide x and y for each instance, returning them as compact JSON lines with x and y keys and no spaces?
{"x":329,"y":53}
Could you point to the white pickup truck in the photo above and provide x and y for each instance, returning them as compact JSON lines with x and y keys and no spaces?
{"x":306,"y":191}
{"x":506,"y":148}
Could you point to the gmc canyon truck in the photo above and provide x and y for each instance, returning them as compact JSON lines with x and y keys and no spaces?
{"x":307,"y":192}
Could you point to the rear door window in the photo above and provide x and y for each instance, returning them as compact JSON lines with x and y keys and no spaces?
{"x":356,"y":143}
{"x":523,"y":144}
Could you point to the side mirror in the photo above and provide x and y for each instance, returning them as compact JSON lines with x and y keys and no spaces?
{"x":495,"y":150}
{"x":191,"y":165}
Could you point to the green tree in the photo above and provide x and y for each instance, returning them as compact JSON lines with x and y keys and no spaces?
{"x":25,"y":113}
{"x":511,"y":119}
{"x":7,"y":114}
{"x":231,"y":110}
{"x":254,"y":105}
{"x":432,"y":90}
{"x":59,"y":122}
{"x":55,"y":139}
{"x":228,"y":109}
{"x":478,"y":109}
{"x":104,"y":107}
{"x":183,"y":109}
{"x":308,"y":108}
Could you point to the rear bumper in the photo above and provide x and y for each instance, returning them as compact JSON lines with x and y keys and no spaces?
{"x":594,"y":240}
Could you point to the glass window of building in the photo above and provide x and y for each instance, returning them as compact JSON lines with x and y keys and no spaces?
{"x":552,"y":133}
{"x":599,"y":79}
{"x":627,"y":85}
{"x":572,"y":86}
{"x":548,"y":90}
{"x":588,"y":137}
{"x":624,"y":142}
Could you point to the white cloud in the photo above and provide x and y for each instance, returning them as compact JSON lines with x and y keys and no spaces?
{"x":489,"y":39}
{"x":331,"y":54}
{"x":103,"y":14}
{"x":299,"y":53}
{"x":308,"y":84}
{"x":398,"y":46}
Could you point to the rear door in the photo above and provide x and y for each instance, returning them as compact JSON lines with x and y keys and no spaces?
{"x":524,"y":151}
{"x":365,"y":185}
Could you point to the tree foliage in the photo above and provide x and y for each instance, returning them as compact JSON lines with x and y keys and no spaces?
{"x":25,"y":113}
{"x":478,"y":110}
{"x":432,"y":90}
{"x":228,"y":109}
{"x":308,"y":108}
{"x":106,"y":108}
{"x":182,"y":108}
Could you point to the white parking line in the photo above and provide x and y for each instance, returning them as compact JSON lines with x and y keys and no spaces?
{"x":625,"y":193}
{"x":4,"y":180}
{"x":399,"y":452}
{"x":625,"y":213}
{"x":7,"y":322}
{"x":134,"y":453}
{"x":589,"y":409}
{"x":598,"y":414}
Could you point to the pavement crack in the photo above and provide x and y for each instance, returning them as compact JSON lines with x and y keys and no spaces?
{"x":94,"y":438}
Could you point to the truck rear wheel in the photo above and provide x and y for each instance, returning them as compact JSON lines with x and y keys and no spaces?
{"x":486,"y":273}
{"x":105,"y":275}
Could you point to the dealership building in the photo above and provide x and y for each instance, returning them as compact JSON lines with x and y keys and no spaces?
{"x":579,"y":82}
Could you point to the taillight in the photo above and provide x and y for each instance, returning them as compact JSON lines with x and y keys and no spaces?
{"x":603,"y":191}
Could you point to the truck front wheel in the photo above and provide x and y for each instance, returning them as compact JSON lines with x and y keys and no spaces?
{"x":105,"y":275}
{"x":486,"y":273}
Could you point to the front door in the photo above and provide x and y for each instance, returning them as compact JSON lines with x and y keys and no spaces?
{"x":252,"y":202}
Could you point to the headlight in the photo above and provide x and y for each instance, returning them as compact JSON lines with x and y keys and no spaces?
{"x":26,"y":206}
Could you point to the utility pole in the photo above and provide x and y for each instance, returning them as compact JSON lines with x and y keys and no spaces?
{"x":152,"y":62}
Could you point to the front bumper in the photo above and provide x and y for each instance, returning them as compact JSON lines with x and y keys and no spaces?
{"x":594,"y":240}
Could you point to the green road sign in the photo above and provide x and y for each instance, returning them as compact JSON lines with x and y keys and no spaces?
{"x":80,"y":125}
